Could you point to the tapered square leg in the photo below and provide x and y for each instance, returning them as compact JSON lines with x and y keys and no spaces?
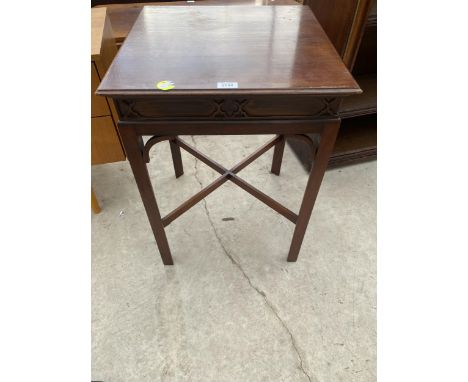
{"x":140,"y":172}
{"x":278,"y":156}
{"x":327,"y":142}
{"x":176,"y":158}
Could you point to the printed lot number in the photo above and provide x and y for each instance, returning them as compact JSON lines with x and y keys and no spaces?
{"x":227,"y":85}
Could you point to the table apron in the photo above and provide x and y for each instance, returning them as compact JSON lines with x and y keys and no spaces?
{"x":245,"y":127}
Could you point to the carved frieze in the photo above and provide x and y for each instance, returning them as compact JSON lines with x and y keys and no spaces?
{"x":228,"y":108}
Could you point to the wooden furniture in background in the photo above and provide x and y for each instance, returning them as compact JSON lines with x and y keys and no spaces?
{"x":105,"y":141}
{"x":122,"y":14}
{"x":351,"y":26}
{"x":284,"y":77}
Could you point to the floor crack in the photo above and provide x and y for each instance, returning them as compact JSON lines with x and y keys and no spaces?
{"x":258,"y":290}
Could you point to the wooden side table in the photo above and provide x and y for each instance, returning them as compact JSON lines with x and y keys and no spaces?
{"x":235,"y":70}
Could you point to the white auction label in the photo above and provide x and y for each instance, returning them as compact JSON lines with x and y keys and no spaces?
{"x":227,"y":85}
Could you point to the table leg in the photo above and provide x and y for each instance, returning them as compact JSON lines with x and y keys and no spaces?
{"x":278,"y":156}
{"x":327,"y":142}
{"x":140,"y":172}
{"x":176,"y":158}
{"x":94,"y":203}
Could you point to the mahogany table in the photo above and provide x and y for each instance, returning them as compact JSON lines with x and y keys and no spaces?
{"x":235,"y":70}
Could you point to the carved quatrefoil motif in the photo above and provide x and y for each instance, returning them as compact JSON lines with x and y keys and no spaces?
{"x":230,"y":108}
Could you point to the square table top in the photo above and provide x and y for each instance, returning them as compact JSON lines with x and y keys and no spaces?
{"x":264,"y":50}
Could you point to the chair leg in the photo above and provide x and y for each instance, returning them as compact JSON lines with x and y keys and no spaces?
{"x":278,"y":156}
{"x":94,"y":203}
{"x":176,"y":158}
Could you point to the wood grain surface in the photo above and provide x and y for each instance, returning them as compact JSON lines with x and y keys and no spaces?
{"x":123,"y":16}
{"x":98,"y":19}
{"x":263,"y":49}
{"x":105,"y":144}
{"x":99,"y":105}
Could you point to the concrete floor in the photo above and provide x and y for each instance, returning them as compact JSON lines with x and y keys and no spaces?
{"x":232,"y":308}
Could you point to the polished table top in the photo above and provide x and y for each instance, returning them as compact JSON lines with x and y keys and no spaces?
{"x":265,"y":50}
{"x":123,"y":16}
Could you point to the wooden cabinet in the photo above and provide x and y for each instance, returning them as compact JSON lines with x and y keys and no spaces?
{"x":105,"y":141}
{"x":99,"y":106}
{"x":106,"y":146}
{"x":351,"y":26}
